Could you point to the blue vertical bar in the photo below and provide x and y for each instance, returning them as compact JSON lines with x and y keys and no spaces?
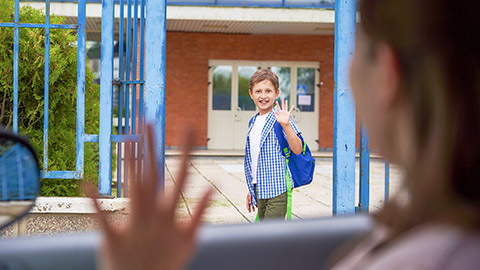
{"x":46,"y":66}
{"x":387,"y":180}
{"x":134,"y":66}
{"x":128,"y":69}
{"x":344,"y":110}
{"x":81,"y":42}
{"x":142,"y":77}
{"x":155,"y":56}
{"x":106,"y":88}
{"x":15,"y":68}
{"x":134,"y":77}
{"x":120,"y":96}
{"x":364,"y":171}
{"x":127,"y":87}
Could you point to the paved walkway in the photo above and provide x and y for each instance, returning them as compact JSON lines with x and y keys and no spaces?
{"x":226,"y":175}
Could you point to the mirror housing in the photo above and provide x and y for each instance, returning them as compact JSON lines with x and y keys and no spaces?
{"x":19,"y":177}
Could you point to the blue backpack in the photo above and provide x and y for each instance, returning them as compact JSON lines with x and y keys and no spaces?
{"x":302,"y":166}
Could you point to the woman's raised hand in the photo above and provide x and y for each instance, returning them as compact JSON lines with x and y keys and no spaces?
{"x":151,"y":238}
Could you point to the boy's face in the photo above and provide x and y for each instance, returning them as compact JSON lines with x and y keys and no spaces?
{"x":263,"y":95}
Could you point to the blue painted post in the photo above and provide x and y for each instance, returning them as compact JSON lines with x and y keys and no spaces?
{"x":155,"y":57}
{"x":81,"y":42}
{"x":106,"y":88}
{"x":387,"y":180}
{"x":344,"y":110}
{"x":15,"y":68}
{"x":46,"y":75}
{"x":364,"y":171}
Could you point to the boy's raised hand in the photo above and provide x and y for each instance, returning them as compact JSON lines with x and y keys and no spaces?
{"x":283,"y":114}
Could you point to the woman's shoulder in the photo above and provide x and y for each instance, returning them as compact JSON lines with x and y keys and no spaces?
{"x":426,"y":247}
{"x":432,"y":247}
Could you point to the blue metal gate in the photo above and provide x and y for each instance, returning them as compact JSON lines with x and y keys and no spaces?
{"x":151,"y":84}
{"x":152,"y":109}
{"x":81,"y":137}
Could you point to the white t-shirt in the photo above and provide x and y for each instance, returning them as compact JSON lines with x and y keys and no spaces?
{"x":255,"y":136}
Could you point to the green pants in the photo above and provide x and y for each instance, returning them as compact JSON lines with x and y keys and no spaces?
{"x":275,"y":207}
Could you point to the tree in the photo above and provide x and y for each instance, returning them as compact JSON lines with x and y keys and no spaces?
{"x":62,"y":95}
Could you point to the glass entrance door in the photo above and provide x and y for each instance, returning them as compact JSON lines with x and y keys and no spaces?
{"x":231,"y":108}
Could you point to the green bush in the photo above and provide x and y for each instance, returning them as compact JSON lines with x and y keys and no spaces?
{"x":62,"y":95}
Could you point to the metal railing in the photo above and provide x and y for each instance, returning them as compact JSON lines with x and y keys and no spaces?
{"x":328,"y":4}
{"x":150,"y":82}
{"x":81,"y":137}
{"x":128,"y":82}
{"x":147,"y":109}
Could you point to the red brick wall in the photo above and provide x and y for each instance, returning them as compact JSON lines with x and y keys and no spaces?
{"x":187,"y":74}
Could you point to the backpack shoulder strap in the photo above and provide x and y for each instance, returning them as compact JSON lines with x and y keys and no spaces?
{"x":251,"y":121}
{"x":281,"y":139}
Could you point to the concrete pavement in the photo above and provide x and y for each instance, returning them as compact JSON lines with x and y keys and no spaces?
{"x":226,"y":176}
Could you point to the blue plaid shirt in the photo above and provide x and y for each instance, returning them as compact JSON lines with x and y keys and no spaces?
{"x":270,"y":165}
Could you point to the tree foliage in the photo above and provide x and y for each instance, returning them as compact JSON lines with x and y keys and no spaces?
{"x":62,"y":95}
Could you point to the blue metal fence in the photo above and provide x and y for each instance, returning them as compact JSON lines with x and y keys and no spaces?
{"x":133,"y":108}
{"x":130,"y":109}
{"x":81,"y":137}
{"x":127,"y":82}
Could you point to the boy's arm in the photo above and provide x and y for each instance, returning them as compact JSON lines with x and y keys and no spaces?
{"x":294,"y":141}
{"x":283,"y":118}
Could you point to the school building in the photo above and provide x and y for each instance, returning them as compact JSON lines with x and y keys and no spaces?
{"x":213,"y":47}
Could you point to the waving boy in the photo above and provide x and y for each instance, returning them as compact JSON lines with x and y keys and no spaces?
{"x":264,"y":163}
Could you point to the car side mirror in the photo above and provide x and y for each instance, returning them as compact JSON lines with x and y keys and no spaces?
{"x":19,"y":177}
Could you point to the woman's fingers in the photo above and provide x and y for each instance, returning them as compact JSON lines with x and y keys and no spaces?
{"x":197,"y":216}
{"x":151,"y":170}
{"x":89,"y":189}
{"x":140,"y":196}
{"x":182,"y":174}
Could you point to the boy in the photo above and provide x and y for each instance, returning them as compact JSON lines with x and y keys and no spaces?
{"x":264,"y":163}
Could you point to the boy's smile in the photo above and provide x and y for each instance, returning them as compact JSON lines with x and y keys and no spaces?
{"x":263,"y":95}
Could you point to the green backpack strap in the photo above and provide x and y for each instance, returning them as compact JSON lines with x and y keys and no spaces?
{"x":289,"y":185}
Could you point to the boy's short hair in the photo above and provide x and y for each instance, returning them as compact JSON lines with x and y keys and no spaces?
{"x":261,"y":75}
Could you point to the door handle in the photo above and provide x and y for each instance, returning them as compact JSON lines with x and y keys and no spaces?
{"x":236,"y":114}
{"x":296,"y":115}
